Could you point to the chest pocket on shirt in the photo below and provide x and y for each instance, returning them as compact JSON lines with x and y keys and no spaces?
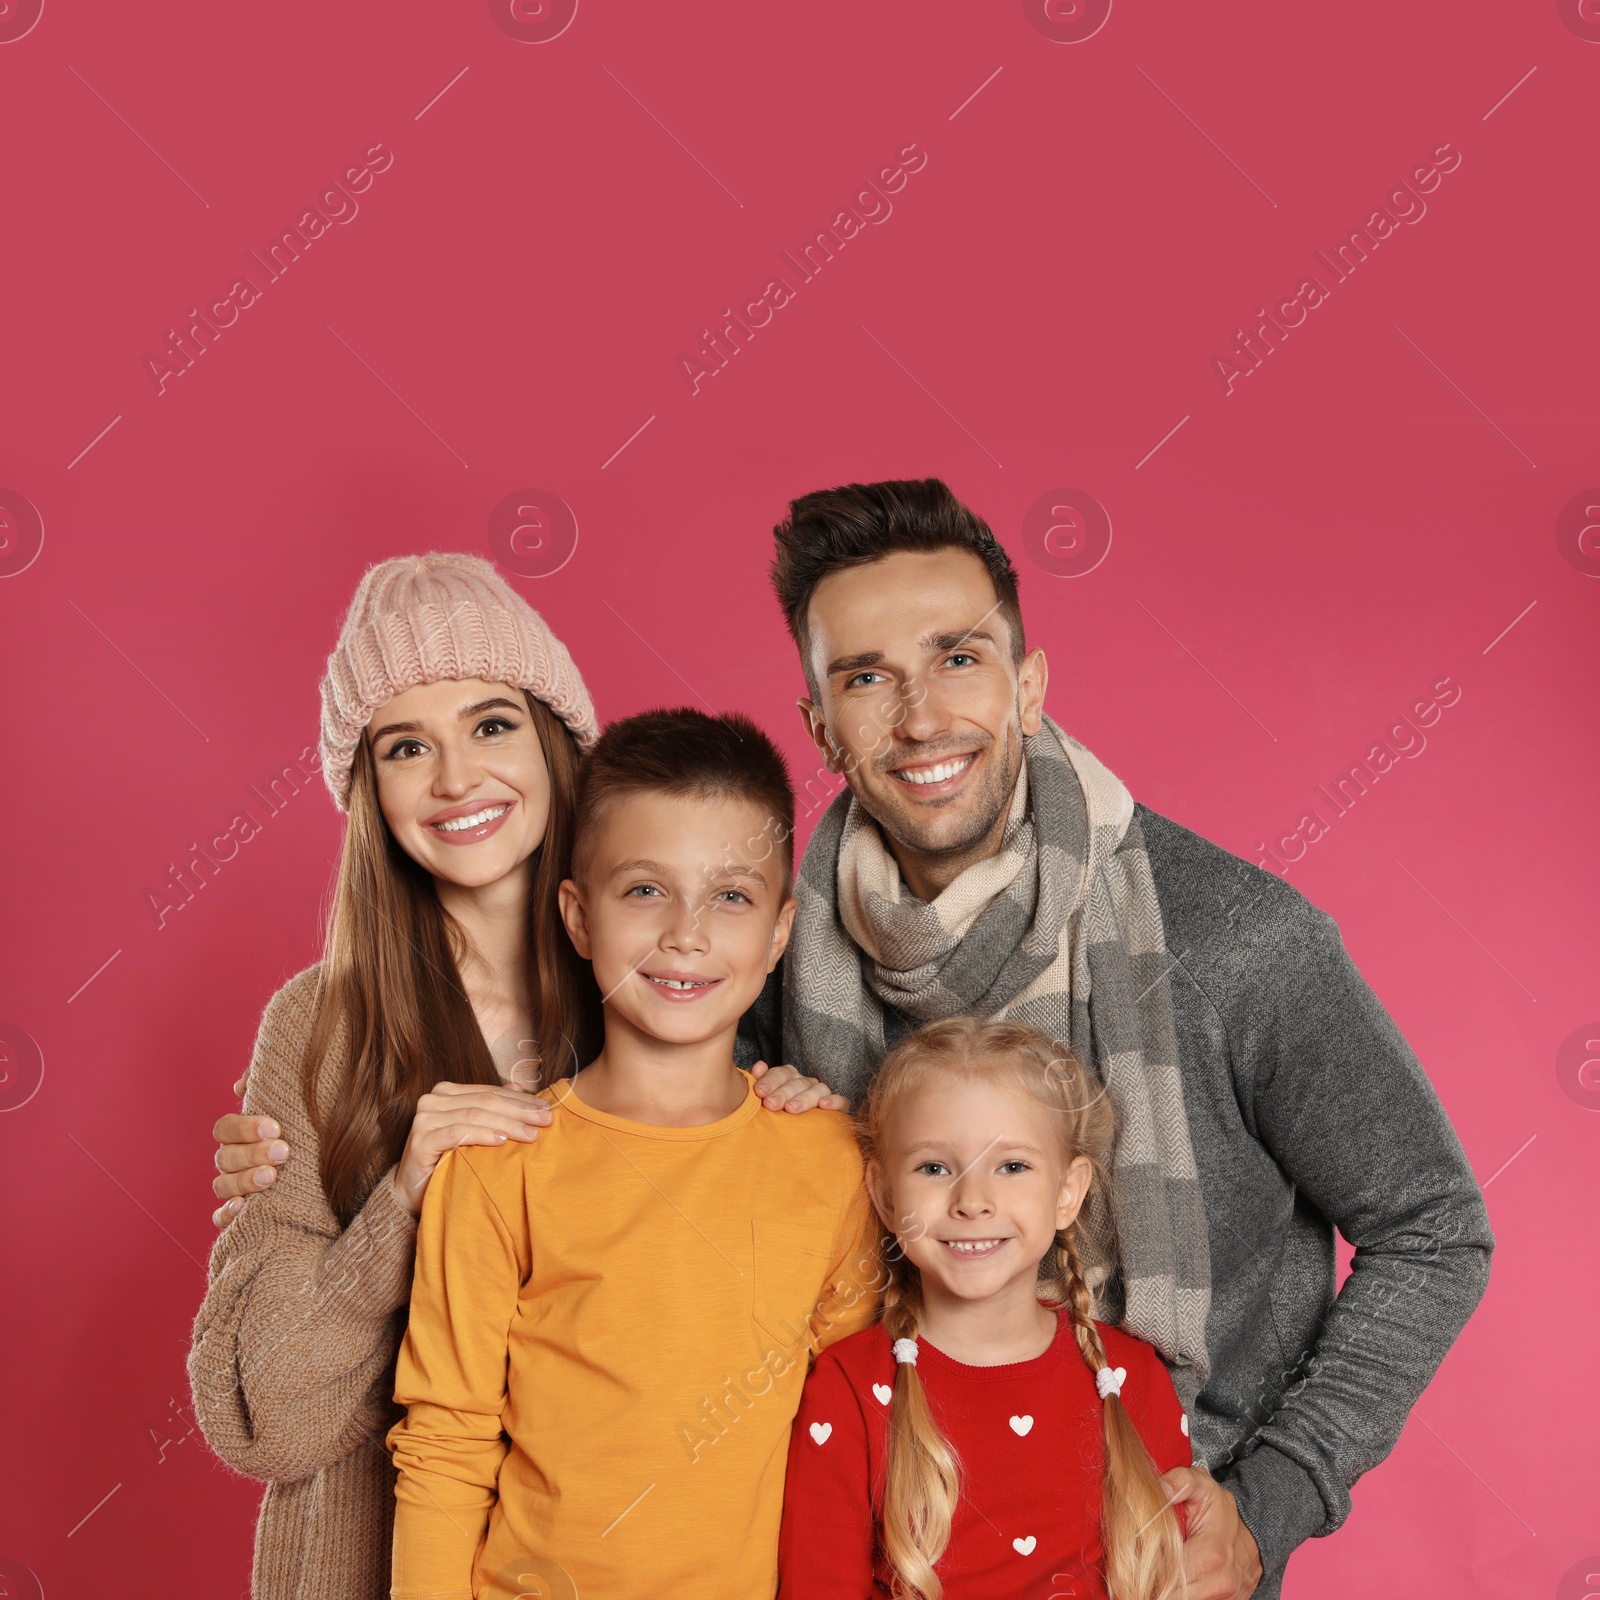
{"x":791,"y":1274}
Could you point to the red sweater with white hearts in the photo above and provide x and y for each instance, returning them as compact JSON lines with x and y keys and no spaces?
{"x":1032,"y":1455}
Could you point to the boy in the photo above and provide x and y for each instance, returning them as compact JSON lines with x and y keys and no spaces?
{"x":609,"y":1330}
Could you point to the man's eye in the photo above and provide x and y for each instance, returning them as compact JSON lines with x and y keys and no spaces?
{"x":961,"y":658}
{"x":861,"y":678}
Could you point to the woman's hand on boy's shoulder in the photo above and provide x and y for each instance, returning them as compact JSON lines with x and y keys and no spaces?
{"x":786,"y":1088}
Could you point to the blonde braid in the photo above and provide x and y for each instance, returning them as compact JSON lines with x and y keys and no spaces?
{"x":1138,"y":1527}
{"x":922,"y":1483}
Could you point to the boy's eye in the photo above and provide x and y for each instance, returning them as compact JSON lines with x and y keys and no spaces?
{"x":733,"y":897}
{"x":643,"y":890}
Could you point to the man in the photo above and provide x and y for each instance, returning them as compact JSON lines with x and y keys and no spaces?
{"x":982,"y":861}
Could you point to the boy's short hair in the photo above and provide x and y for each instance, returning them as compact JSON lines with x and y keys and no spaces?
{"x":858,"y":523}
{"x":689,"y":755}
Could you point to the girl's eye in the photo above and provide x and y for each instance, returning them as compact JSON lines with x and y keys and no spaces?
{"x":932,"y":1169}
{"x":1014,"y":1166}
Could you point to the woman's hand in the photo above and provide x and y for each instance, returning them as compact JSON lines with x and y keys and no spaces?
{"x":452,"y":1114}
{"x":249,"y":1153}
{"x":785,"y":1088}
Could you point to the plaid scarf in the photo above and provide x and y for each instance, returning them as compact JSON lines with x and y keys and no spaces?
{"x":1061,"y":929}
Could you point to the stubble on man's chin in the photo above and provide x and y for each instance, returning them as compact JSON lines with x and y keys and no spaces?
{"x":902,"y":826}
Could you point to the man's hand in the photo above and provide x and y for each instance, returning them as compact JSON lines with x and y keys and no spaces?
{"x":785,"y":1089}
{"x":1220,"y":1558}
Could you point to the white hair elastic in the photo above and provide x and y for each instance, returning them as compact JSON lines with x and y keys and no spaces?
{"x":905,"y":1350}
{"x":1108,"y":1381}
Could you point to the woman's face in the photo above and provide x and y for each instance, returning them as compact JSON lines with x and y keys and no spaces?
{"x":462,"y":780}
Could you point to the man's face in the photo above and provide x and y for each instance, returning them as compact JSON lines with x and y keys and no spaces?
{"x":919,"y":702}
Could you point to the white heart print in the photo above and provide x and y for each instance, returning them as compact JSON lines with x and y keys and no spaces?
{"x":883,"y":1393}
{"x":1021,"y":1426}
{"x":821,"y":1431}
{"x":1024,"y":1547}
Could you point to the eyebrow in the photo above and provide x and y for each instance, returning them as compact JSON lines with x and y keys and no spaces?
{"x":477,"y":708}
{"x":1020,"y":1144}
{"x":934,"y":641}
{"x":661,"y":871}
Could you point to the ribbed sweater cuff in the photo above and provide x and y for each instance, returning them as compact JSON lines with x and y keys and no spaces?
{"x":1279,"y":1504}
{"x":367,"y":1272}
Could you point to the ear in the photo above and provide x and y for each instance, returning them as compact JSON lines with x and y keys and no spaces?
{"x":816,"y":726}
{"x":1074,"y":1191}
{"x":781,"y":931}
{"x":570,"y":897}
{"x":1032,"y":677}
{"x":878,"y":1193}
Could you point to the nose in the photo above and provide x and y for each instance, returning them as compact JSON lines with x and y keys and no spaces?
{"x":970,"y":1196}
{"x":921,"y":713}
{"x":457,"y":772}
{"x":686,"y":931}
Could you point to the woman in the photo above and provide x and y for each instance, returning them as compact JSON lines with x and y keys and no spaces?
{"x":451,"y":729}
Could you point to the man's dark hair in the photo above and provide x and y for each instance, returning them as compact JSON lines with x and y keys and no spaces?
{"x":851,"y":526}
{"x":690,"y":755}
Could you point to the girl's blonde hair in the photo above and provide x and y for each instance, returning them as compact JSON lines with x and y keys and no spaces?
{"x":1139,"y":1530}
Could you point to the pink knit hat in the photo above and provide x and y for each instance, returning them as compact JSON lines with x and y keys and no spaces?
{"x":425,"y":619}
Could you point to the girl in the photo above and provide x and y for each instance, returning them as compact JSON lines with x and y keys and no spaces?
{"x":451,"y":728}
{"x":987,"y":1437}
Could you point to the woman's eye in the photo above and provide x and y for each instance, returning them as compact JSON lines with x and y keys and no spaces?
{"x":403,"y":747}
{"x":493,"y":725}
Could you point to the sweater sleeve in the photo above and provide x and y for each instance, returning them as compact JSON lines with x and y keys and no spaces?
{"x":451,"y":1376}
{"x":1329,"y":1086}
{"x":293,"y":1344}
{"x":825,"y":1548}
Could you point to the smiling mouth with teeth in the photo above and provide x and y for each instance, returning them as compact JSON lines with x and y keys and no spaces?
{"x":680,"y":985}
{"x":476,"y":820}
{"x":937,"y":773}
{"x":972,"y":1247}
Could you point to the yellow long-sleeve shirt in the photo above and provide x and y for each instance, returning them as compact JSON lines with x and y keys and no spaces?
{"x":609,"y":1333}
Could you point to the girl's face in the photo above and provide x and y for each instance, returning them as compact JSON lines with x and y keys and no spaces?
{"x":972,"y":1179}
{"x":462,"y":780}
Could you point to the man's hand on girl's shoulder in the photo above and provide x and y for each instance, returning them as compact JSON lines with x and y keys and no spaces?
{"x":786,"y":1088}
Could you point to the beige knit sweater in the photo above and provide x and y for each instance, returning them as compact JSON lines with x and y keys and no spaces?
{"x":292,"y":1365}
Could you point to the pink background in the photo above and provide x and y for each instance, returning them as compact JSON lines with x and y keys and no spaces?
{"x":1288,"y":572}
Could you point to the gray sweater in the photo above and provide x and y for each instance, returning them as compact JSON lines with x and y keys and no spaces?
{"x":1308,"y":1112}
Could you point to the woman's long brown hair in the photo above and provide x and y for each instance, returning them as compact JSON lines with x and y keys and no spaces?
{"x":390,"y":994}
{"x":1139,"y":1530}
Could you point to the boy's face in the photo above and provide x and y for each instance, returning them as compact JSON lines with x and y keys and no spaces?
{"x":682,"y":927}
